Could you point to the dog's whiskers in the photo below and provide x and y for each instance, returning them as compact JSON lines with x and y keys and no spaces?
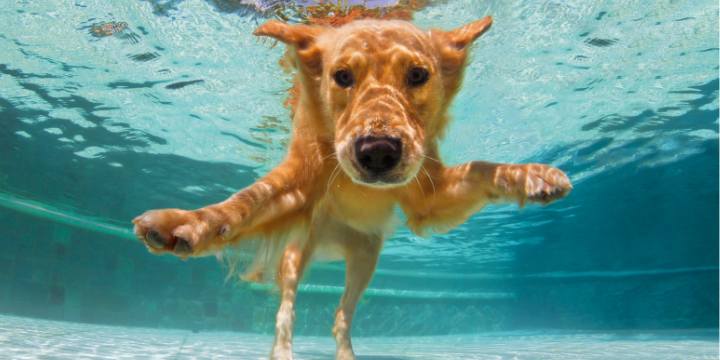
{"x":422,"y":191}
{"x":333,"y":175}
{"x":429,"y":178}
{"x":329,"y":156}
{"x":433,"y":159}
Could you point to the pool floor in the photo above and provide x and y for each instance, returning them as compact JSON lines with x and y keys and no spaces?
{"x":24,"y":338}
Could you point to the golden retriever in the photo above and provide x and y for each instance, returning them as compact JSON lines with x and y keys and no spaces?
{"x":372,"y":106}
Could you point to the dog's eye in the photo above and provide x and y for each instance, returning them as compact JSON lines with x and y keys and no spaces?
{"x":417,"y":76}
{"x":344,"y":78}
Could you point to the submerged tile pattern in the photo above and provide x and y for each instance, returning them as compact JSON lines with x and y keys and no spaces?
{"x":23,"y":338}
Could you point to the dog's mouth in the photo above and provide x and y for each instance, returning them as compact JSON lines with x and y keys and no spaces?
{"x":380,"y":181}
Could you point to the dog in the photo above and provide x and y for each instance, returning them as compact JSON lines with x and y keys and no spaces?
{"x":372,"y":106}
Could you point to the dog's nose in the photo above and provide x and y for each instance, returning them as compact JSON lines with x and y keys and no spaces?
{"x":378,"y":154}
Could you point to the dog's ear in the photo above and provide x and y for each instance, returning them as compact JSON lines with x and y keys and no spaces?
{"x":453,"y":44}
{"x":300,"y":37}
{"x":463,"y":36}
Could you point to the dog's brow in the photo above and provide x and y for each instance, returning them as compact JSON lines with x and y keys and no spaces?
{"x":413,"y":39}
{"x":359,"y":39}
{"x":371,"y":38}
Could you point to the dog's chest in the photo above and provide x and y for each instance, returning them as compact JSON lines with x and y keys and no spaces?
{"x":362,"y":208}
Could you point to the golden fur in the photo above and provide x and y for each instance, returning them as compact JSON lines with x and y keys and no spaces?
{"x":321,"y":201}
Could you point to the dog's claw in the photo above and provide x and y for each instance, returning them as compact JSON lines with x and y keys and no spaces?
{"x":182,"y":247}
{"x":224,"y":230}
{"x":155,"y":240}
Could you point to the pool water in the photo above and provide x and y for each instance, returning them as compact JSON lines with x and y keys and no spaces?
{"x":179,"y":106}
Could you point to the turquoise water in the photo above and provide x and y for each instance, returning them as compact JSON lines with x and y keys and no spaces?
{"x":184,"y":107}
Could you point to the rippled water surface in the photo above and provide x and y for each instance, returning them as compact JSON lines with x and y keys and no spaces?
{"x":182,"y":106}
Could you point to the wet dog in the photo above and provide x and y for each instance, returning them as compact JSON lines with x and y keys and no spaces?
{"x":372,"y":105}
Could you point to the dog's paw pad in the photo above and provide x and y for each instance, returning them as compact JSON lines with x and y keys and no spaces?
{"x":155,"y":240}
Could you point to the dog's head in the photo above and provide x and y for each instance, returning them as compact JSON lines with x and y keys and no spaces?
{"x":381,"y":88}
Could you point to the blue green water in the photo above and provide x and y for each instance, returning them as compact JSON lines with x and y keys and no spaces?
{"x":184,"y":107}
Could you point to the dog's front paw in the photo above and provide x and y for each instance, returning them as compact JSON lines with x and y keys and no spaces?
{"x":180,"y":232}
{"x":535,"y":182}
{"x":545,"y":184}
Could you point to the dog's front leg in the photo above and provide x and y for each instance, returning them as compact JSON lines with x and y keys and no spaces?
{"x":361,"y":256}
{"x":292,"y":264}
{"x":205,"y":230}
{"x":457,"y":192}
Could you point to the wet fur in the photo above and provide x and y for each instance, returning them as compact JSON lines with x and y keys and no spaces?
{"x":318,"y":203}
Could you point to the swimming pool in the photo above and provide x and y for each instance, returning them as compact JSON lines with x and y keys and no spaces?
{"x":182,"y":106}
